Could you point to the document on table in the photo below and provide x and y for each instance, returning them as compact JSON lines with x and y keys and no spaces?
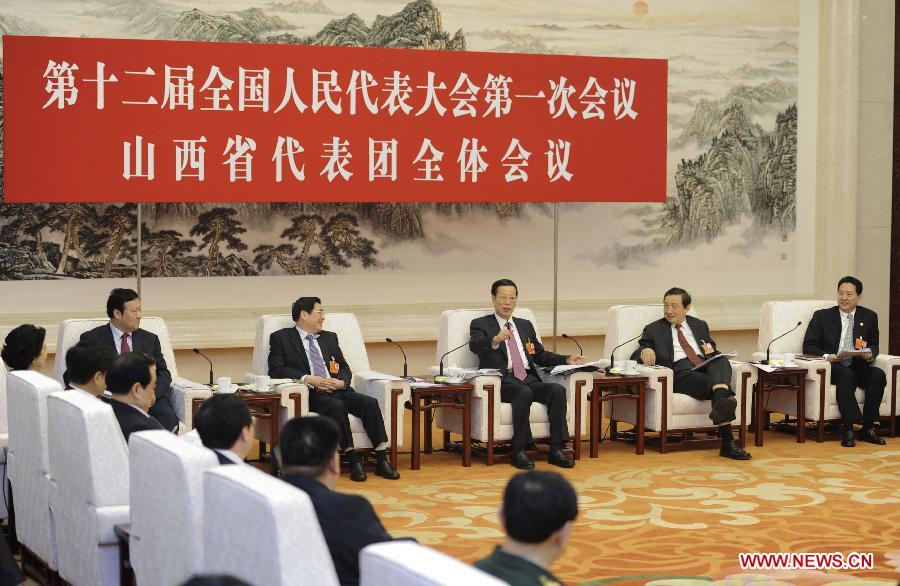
{"x":715,"y":357}
{"x":569,"y":368}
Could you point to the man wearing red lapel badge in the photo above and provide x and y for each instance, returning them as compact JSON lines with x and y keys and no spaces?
{"x":313,"y":355}
{"x":849,"y":326}
{"x":511,"y":346}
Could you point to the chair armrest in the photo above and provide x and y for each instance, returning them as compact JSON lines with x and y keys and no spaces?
{"x":184,"y":392}
{"x":376,"y":384}
{"x":106,"y":519}
{"x":287,"y":401}
{"x":885,"y":362}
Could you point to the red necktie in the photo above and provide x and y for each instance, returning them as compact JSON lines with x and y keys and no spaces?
{"x":514,"y":355}
{"x":691,"y":355}
{"x":125,"y":347}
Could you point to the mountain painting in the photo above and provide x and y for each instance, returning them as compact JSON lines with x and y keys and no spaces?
{"x":732,"y":150}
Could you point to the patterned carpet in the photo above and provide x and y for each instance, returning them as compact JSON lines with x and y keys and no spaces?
{"x":680,"y":518}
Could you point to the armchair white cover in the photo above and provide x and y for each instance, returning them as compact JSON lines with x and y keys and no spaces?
{"x":391,"y":395}
{"x":492,"y":418}
{"x":184,"y":391}
{"x":4,"y":439}
{"x":28,"y":462}
{"x":665,"y":410}
{"x":262,"y":530}
{"x":406,"y":563}
{"x":166,"y":545}
{"x":89,"y":496}
{"x":821,"y":404}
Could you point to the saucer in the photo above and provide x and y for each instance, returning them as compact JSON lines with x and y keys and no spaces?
{"x":234,"y":388}
{"x":631,"y":373}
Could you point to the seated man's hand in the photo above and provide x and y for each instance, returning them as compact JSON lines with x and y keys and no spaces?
{"x":648,"y":356}
{"x":575,"y":359}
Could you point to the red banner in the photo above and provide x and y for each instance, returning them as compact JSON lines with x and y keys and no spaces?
{"x":118,"y":120}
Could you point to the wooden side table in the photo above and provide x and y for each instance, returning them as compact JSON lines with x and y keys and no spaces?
{"x":427,"y":399}
{"x":783,"y":379}
{"x":611,"y":386}
{"x":126,"y":572}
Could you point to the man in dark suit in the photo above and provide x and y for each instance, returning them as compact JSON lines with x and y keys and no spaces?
{"x":225,"y":427}
{"x":849,"y":326}
{"x":313,"y":355}
{"x":511,"y":346}
{"x":131,"y":381}
{"x":123,"y":334}
{"x":311,"y":462}
{"x":87,"y":363}
{"x":681,"y":342}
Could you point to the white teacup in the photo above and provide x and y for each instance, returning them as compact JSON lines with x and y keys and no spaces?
{"x":262,"y":383}
{"x":631,"y":366}
{"x":455,"y":374}
{"x":790,"y":360}
{"x":224,"y":383}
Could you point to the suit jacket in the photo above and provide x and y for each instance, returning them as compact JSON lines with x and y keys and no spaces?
{"x":348,"y":522}
{"x":823,"y":334}
{"x":132,"y":420}
{"x":658,"y":336}
{"x":143,"y":341}
{"x":483,"y":329}
{"x":223,"y":460}
{"x":287,"y":357}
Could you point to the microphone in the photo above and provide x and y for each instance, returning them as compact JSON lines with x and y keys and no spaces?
{"x":196,"y":351}
{"x":612,"y":355}
{"x":766,"y":361}
{"x":568,"y":337}
{"x":388,"y":340}
{"x":441,"y":362}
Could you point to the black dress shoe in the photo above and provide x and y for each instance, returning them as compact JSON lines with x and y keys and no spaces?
{"x":357,"y":471}
{"x":869,"y":435}
{"x":521,"y":460}
{"x":731,"y":448}
{"x":383,"y":468}
{"x":723,"y":410}
{"x":559,"y":458}
{"x":847,"y":441}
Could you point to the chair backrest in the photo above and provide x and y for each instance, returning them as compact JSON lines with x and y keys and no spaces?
{"x":70,"y":331}
{"x":28,"y":463}
{"x":166,"y":506}
{"x":4,"y":425}
{"x":262,"y":530}
{"x":344,"y":325}
{"x":454,"y":331}
{"x":89,"y":460}
{"x":405,"y":563}
{"x":627,"y":321}
{"x":777,"y":317}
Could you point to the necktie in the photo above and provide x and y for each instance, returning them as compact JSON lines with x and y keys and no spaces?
{"x":315,"y":357}
{"x":514,"y":355}
{"x":691,"y":355}
{"x":125,"y":348}
{"x":847,"y":341}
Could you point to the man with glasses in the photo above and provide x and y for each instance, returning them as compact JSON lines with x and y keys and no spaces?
{"x":313,"y":355}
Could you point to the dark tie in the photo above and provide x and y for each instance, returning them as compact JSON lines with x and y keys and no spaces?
{"x":125,"y":348}
{"x":315,"y":357}
{"x":514,"y":355}
{"x":691,"y":355}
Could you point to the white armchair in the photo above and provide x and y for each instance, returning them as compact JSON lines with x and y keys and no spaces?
{"x":492,"y":418}
{"x":665,"y":410}
{"x":821,"y":404}
{"x":4,"y":440}
{"x":184,"y":391}
{"x":166,"y":545}
{"x":262,"y":530}
{"x":391,"y":395}
{"x":89,"y":495}
{"x":406,"y":563}
{"x":29,"y":467}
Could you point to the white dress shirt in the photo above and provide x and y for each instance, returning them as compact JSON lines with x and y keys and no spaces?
{"x":676,"y":345}
{"x":117,"y":338}
{"x":80,"y":390}
{"x":845,"y":323}
{"x":519,"y":344}
{"x":231,"y":456}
